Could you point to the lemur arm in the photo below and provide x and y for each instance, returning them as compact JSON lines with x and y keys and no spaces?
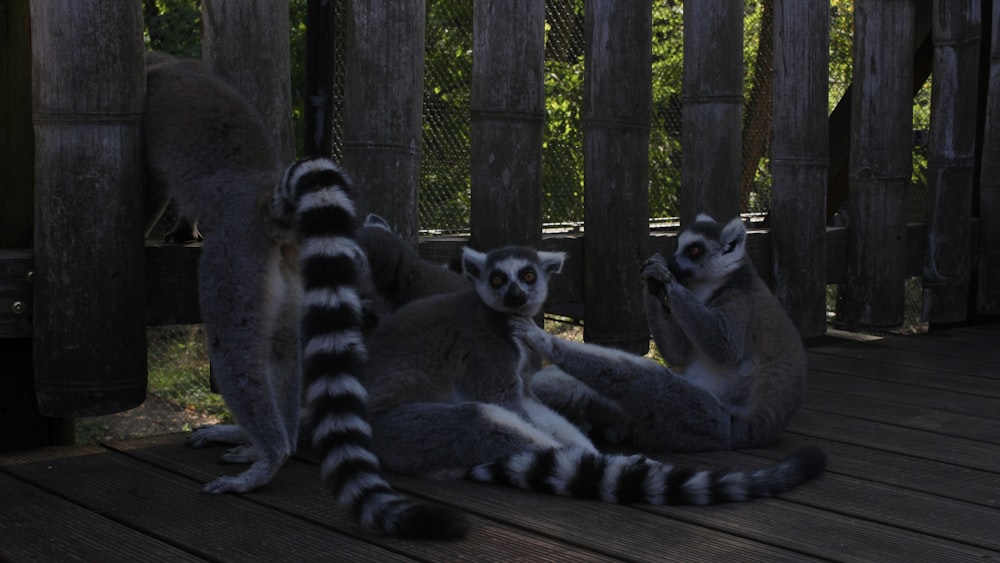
{"x":711,"y":330}
{"x":672,"y":343}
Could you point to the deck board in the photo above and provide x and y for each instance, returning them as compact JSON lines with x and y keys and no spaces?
{"x":911,"y":426}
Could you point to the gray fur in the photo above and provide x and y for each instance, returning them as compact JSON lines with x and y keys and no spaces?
{"x":210,"y":150}
{"x":395,"y":274}
{"x":266,"y":231}
{"x":742,"y":366}
{"x":447,"y":385}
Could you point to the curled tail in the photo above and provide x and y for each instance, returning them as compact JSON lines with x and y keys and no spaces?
{"x":314,"y":197}
{"x":637,"y":479}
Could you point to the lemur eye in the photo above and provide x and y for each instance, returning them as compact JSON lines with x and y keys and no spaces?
{"x":694,"y":250}
{"x":529,"y":276}
{"x":497,"y":279}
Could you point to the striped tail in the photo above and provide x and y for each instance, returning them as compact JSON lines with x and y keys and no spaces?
{"x":637,"y":479}
{"x":314,"y":197}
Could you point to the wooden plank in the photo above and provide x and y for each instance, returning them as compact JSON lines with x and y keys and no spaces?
{"x":39,"y":526}
{"x":973,"y":405}
{"x":296,"y":490}
{"x":954,"y":355}
{"x":172,"y":508}
{"x":885,"y":371}
{"x":824,"y":534}
{"x":909,"y":416}
{"x":947,"y":449}
{"x":879,"y":465}
{"x":901,"y":508}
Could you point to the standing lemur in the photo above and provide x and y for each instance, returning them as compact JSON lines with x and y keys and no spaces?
{"x":710,"y":314}
{"x":447,"y":385}
{"x":276,"y":287}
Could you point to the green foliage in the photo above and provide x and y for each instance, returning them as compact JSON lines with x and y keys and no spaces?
{"x":173,"y":26}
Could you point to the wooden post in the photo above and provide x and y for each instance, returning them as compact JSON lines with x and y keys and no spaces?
{"x":799,"y":160}
{"x":247,"y":43}
{"x":383,"y":105}
{"x":712,"y":108}
{"x":880,"y":162}
{"x":988,"y":298}
{"x":508,"y":118}
{"x":617,"y":102}
{"x":88,"y":77}
{"x":951,"y":160}
{"x":21,"y":425}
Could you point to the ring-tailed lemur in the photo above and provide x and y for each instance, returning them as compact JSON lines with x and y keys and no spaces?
{"x":276,"y":263}
{"x":446,"y":379}
{"x":744,"y":365}
{"x":396,"y":274}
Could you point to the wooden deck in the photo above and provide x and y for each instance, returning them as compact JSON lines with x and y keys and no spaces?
{"x":911,"y":426}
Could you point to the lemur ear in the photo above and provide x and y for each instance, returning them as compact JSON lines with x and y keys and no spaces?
{"x":373,"y":220}
{"x":703,"y":218}
{"x":473,"y":263}
{"x":552,"y":262}
{"x":733,"y":236}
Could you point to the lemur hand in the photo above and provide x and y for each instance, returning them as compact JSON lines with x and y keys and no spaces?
{"x":525,"y":330}
{"x":656,"y":274}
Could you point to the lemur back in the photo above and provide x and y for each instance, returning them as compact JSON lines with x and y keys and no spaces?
{"x":447,"y":380}
{"x":211,"y":152}
{"x":742,"y":363}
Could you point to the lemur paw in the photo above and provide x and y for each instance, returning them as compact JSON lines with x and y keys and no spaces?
{"x":525,"y":330}
{"x":656,"y":274}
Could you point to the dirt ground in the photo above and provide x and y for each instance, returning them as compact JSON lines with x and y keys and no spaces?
{"x":154,"y":416}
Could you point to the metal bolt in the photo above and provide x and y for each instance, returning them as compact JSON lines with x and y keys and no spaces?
{"x":18,"y":307}
{"x":30,"y":276}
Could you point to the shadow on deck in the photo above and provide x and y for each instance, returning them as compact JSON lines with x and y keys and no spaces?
{"x":911,"y":426}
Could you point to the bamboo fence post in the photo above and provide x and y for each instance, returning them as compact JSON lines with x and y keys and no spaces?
{"x":247,"y":44}
{"x":617,"y":105}
{"x":383,"y":105}
{"x":88,"y":83}
{"x":951,"y":160}
{"x":800,"y":160}
{"x":508,"y":120}
{"x":988,"y":298}
{"x":712,"y":109}
{"x":880,"y":162}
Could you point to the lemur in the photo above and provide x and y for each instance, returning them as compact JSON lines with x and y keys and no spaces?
{"x":447,"y":383}
{"x":276,"y":290}
{"x":742,"y":360}
{"x":396,"y":274}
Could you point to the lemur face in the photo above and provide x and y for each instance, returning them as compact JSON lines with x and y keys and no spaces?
{"x":512,"y":279}
{"x":708,"y":251}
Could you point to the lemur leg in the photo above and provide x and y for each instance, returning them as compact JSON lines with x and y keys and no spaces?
{"x":665,"y":412}
{"x":581,"y":404}
{"x":445,"y":440}
{"x":240,"y":318}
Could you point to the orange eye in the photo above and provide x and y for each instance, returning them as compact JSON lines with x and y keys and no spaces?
{"x":529,"y":276}
{"x":694,"y":251}
{"x":496,"y":280}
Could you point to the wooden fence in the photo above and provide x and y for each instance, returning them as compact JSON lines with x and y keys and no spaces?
{"x":74,"y":290}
